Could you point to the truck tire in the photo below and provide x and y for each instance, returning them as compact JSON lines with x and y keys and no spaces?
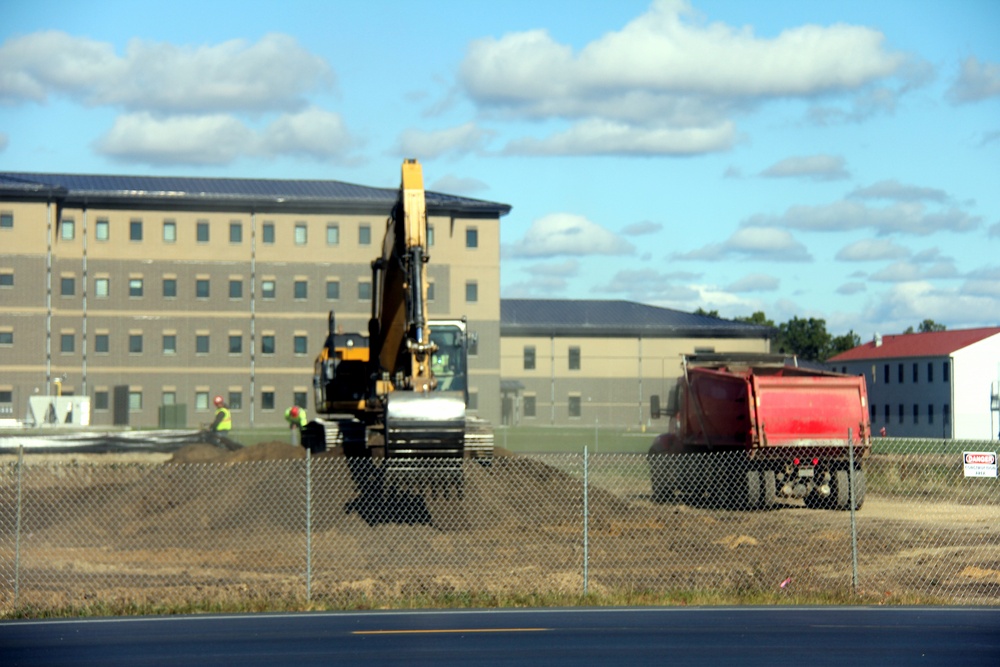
{"x":859,"y":488}
{"x":768,"y":490}
{"x":843,"y":489}
{"x":663,"y":478}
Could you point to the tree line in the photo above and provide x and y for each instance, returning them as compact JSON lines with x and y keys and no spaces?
{"x":808,"y":337}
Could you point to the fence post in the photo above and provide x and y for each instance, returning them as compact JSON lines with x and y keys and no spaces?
{"x":586,"y":518}
{"x":854,"y":523}
{"x":17,"y":527}
{"x":308,"y":524}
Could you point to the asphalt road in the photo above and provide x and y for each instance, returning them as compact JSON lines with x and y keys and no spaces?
{"x":747,"y":636}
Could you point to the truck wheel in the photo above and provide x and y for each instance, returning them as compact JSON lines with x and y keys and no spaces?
{"x":859,"y":488}
{"x":753,"y":489}
{"x":663,"y":478}
{"x":768,"y":491}
{"x":842,"y":489}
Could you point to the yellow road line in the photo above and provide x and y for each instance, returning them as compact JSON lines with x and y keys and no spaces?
{"x":443,"y":631}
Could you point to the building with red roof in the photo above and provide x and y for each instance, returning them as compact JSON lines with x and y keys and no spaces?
{"x":939,"y":384}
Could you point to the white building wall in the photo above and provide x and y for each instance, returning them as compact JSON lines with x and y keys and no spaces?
{"x":976,"y":370}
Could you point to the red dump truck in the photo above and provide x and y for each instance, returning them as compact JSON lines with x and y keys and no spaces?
{"x":749,"y":429}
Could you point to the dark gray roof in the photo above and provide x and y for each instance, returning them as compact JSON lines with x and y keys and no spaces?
{"x":569,"y":317}
{"x":271,"y":195}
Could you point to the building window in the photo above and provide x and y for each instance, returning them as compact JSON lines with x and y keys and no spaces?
{"x":301,"y":344}
{"x":945,"y":374}
{"x":236,"y":231}
{"x":332,"y":233}
{"x":135,"y":343}
{"x":529,"y":357}
{"x":201,"y":344}
{"x":102,"y":287}
{"x":235,"y":345}
{"x":885,"y":373}
{"x":301,"y":289}
{"x":267,"y":344}
{"x":201,"y":400}
{"x":267,"y":233}
{"x":169,"y":231}
{"x":873,"y":412}
{"x":916,"y":419}
{"x":574,"y":358}
{"x":574,"y":406}
{"x":169,"y":288}
{"x":946,"y":414}
{"x":201,"y":232}
{"x":471,"y":291}
{"x":169,"y":344}
{"x":169,"y":398}
{"x":267,"y":400}
{"x":471,"y":237}
{"x":299,"y":399}
{"x":235,"y":400}
{"x":430,"y":291}
{"x":930,"y":413}
{"x":900,"y":413}
{"x":365,"y":234}
{"x":885,"y":413}
{"x":67,"y":230}
{"x":473,"y":344}
{"x":899,"y":374}
{"x":135,"y":287}
{"x":430,"y":235}
{"x":301,"y":233}
{"x":6,"y":220}
{"x":473,"y":400}
{"x":364,"y":291}
{"x":135,"y":230}
{"x":101,"y":400}
{"x":7,"y":279}
{"x":102,"y":343}
{"x":102,"y":230}
{"x":332,"y":289}
{"x":915,"y":367}
{"x":67,"y":343}
{"x":134,"y":401}
{"x":201,"y":288}
{"x":235,"y":289}
{"x":67,"y":286}
{"x":529,"y":406}
{"x":267,"y":289}
{"x":6,"y":338}
{"x":930,"y":371}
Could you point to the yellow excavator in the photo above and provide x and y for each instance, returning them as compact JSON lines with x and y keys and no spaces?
{"x":397,"y":397}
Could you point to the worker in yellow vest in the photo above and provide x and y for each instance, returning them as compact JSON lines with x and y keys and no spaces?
{"x":222,"y":425}
{"x":296,"y":418}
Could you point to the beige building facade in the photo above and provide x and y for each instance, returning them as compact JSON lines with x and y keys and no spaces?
{"x":144,"y":293}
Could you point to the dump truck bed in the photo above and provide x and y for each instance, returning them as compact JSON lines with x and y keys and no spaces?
{"x":808,"y":410}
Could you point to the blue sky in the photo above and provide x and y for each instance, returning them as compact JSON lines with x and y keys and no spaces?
{"x":837,"y":160}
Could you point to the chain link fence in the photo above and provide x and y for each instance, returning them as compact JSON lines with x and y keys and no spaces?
{"x":75,"y":533}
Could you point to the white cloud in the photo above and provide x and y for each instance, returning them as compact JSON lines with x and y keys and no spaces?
{"x":903,"y":271}
{"x":868,"y":250}
{"x":642,"y":228}
{"x":271,"y":74}
{"x":976,"y":82}
{"x":467,"y":138}
{"x":220,"y":138}
{"x":850,"y":288}
{"x":648,"y":285}
{"x":567,"y":234}
{"x":603,"y":137}
{"x":893,"y":190}
{"x":538,"y":286}
{"x":994,"y":230}
{"x":195,"y":140}
{"x":564,"y":269}
{"x":902,"y":218}
{"x":755,"y":282}
{"x":667,"y":82}
{"x":314,"y":133}
{"x":759,"y":243}
{"x":906,"y":303}
{"x":983,"y":282}
{"x":815,"y":167}
{"x":4,"y":141}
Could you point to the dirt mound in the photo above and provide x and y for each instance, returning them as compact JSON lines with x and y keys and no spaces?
{"x":265,"y":451}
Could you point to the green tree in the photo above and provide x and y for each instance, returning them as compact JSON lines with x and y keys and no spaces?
{"x":757,"y":318}
{"x":709,"y":313}
{"x":807,"y":338}
{"x":838,"y":344}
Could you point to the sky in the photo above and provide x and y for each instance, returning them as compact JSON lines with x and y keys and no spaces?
{"x":834,"y":160}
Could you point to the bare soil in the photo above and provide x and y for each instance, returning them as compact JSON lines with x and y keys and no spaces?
{"x":179,"y":530}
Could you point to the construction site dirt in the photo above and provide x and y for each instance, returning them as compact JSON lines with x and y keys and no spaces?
{"x":206,"y":523}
